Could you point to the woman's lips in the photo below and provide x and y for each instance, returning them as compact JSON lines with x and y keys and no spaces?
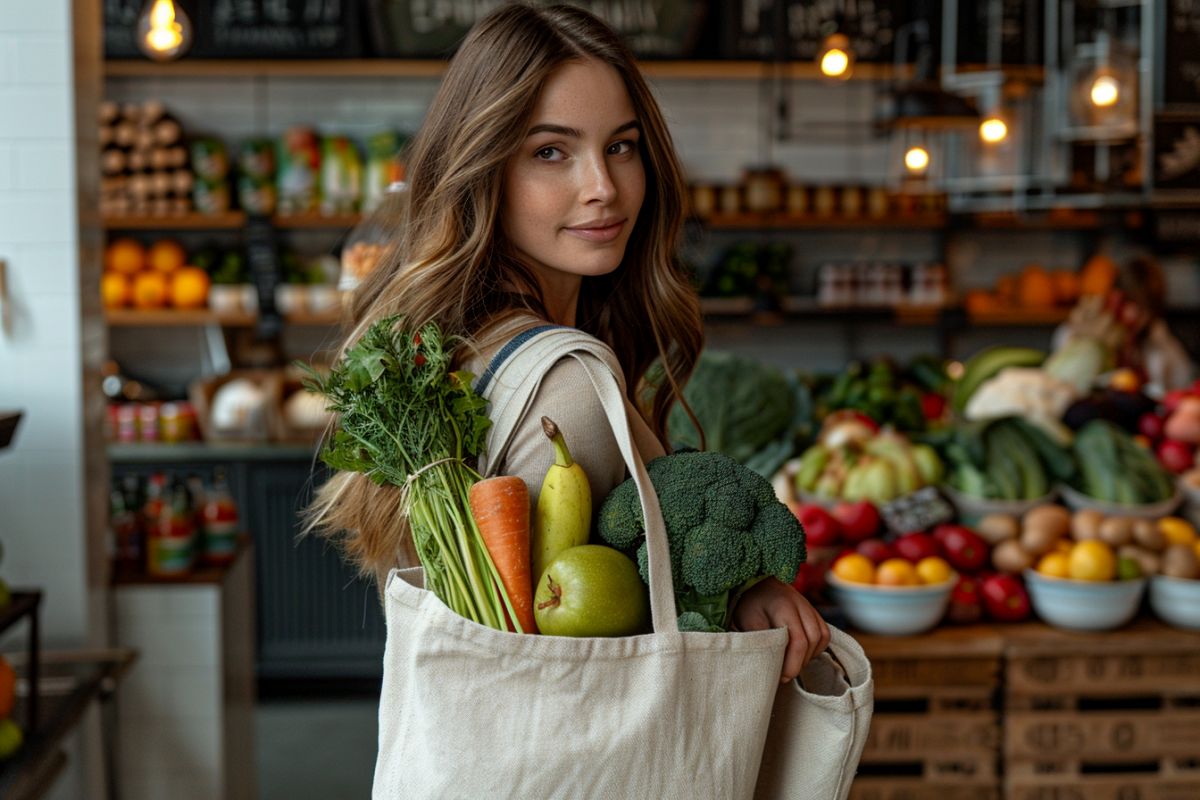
{"x":601,"y":235}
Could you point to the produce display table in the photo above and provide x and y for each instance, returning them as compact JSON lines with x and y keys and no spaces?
{"x":1029,"y":712}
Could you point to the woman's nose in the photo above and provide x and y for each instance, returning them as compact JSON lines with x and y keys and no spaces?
{"x":598,"y":182}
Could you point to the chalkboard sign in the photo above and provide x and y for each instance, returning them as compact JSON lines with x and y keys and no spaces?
{"x":262,"y":254}
{"x":1181,"y":67}
{"x":654,"y":29}
{"x":278,"y":29}
{"x":751,"y":29}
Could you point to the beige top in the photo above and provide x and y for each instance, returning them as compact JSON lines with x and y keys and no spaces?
{"x":566,"y":396}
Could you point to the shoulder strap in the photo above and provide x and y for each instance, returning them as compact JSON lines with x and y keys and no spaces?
{"x":510,"y":391}
{"x":509,"y":348}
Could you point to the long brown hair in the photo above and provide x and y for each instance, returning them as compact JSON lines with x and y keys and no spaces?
{"x":452,"y":265}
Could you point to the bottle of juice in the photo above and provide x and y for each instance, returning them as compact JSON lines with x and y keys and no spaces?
{"x":220,"y":522}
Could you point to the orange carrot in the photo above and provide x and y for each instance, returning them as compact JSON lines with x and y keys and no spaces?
{"x":500,"y":506}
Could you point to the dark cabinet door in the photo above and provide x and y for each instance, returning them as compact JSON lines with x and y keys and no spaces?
{"x":316,"y":617}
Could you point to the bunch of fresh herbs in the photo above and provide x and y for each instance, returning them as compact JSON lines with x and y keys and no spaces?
{"x":406,"y":418}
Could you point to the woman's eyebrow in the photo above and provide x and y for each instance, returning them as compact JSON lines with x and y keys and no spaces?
{"x":574,"y":133}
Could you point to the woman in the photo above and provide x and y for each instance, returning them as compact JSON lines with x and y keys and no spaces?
{"x":544,"y":188}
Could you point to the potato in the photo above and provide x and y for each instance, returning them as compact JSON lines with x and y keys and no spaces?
{"x":1147,"y":535}
{"x":995,"y":528}
{"x":1055,"y":520}
{"x":1116,"y":531}
{"x":1147,"y":560}
{"x":1009,"y":556}
{"x":1038,"y":539}
{"x":1179,"y":561}
{"x":1086,"y":524}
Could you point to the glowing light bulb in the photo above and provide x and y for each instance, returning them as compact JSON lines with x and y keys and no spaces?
{"x":1105,"y":91}
{"x":834,"y":63}
{"x":164,"y":31}
{"x":993,"y":130}
{"x":916,"y":159}
{"x":836,"y":60}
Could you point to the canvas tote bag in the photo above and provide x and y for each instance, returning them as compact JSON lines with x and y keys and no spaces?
{"x":471,"y":712}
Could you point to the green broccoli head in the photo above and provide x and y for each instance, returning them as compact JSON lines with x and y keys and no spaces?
{"x":724,"y":525}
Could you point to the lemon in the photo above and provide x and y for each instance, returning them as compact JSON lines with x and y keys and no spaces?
{"x":855,"y":568}
{"x":1177,"y":531}
{"x":934,"y":570}
{"x":1092,"y":560}
{"x":1055,"y":565}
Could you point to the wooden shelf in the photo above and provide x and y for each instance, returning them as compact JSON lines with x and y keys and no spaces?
{"x":771,"y":221}
{"x":169,"y":318}
{"x":346,"y":221}
{"x":1020,"y":317}
{"x":233,"y":220}
{"x":434,"y":68}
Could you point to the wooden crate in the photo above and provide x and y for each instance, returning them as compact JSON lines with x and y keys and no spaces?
{"x":1105,"y":717}
{"x":936,"y":727}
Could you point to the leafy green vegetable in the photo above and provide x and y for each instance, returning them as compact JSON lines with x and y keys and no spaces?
{"x":404,"y":418}
{"x":725,"y":529}
{"x":743,"y":406}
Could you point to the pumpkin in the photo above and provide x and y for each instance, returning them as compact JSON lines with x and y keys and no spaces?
{"x":1035,"y":288}
{"x":189,"y":288}
{"x":114,"y":289}
{"x":126,"y":256}
{"x":1098,"y":275}
{"x":166,"y":255}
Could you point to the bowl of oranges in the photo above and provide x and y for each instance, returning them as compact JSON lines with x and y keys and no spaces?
{"x":895,"y":597}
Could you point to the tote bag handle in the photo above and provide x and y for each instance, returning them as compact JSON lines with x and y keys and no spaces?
{"x":528,"y":363}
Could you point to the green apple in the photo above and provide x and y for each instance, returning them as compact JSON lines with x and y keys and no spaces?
{"x":591,"y":590}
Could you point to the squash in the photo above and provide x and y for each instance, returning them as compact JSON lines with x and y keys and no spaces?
{"x":1035,"y":288}
{"x":1098,"y":275}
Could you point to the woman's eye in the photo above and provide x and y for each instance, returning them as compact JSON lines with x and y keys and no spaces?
{"x":548,"y":154}
{"x":624,"y":147}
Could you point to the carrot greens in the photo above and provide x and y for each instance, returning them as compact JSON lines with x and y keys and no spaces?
{"x":404,"y":417}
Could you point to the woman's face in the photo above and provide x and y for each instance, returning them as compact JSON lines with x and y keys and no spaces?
{"x":573,"y":190}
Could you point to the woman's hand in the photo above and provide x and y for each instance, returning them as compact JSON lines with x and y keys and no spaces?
{"x":771,"y":603}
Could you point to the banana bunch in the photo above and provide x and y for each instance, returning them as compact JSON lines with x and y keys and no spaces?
{"x":564,"y":505}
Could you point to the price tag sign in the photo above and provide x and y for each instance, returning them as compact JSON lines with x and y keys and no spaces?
{"x":918,"y":511}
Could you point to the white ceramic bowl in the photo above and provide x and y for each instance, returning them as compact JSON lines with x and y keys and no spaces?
{"x":1084,"y":605}
{"x":1176,"y":601}
{"x":892,"y":610}
{"x":1077,"y":501}
{"x":972,"y":509}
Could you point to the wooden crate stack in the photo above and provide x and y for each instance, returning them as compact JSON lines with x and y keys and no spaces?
{"x":936,"y":729}
{"x":1103,"y":717}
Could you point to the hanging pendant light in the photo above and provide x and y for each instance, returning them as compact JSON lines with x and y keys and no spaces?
{"x":164,"y":31}
{"x":836,"y":58}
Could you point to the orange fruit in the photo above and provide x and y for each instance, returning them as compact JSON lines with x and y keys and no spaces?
{"x":149,"y":290}
{"x":1125,"y":380}
{"x":124,"y":255}
{"x":896,"y":572}
{"x":1098,"y":275}
{"x":1092,"y":560}
{"x":1066,"y":286}
{"x":189,"y":288}
{"x":934,"y":570}
{"x":1035,"y":288}
{"x":855,"y":568}
{"x":1055,"y":564}
{"x":114,"y":289}
{"x":166,"y":255}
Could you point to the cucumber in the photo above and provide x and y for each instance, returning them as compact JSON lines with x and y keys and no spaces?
{"x":1059,"y":461}
{"x":1002,"y":467}
{"x":1034,"y":483}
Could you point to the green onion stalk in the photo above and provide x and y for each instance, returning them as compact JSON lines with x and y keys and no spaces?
{"x":406,"y":418}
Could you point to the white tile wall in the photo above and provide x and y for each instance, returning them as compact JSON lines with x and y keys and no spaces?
{"x":41,"y":478}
